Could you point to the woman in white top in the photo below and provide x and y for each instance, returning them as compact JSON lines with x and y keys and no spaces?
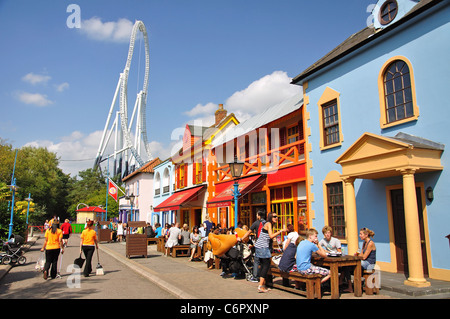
{"x":119,"y":231}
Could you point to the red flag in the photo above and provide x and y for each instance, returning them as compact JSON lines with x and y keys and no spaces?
{"x":113,"y":189}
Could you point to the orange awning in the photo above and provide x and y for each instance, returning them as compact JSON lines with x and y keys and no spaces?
{"x":177,"y":199}
{"x":225,"y":191}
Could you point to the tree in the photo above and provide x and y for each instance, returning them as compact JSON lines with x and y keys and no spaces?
{"x":89,"y":187}
{"x":37,"y":172}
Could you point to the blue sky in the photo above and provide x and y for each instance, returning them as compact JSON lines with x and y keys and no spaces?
{"x":58,"y":82}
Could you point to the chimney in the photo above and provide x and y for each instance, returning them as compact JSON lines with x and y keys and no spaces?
{"x":220,"y":114}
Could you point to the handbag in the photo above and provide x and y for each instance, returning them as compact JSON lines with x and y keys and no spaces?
{"x":40,"y":262}
{"x":79,"y":261}
{"x":276,"y":259}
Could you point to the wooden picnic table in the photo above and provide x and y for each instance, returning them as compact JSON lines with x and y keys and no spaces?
{"x":334,"y":263}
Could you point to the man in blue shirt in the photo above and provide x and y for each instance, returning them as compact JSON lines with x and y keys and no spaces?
{"x":304,"y":252}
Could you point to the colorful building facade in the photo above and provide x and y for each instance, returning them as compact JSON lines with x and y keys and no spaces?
{"x":164,"y":186}
{"x":375,"y":111}
{"x":188,"y":201}
{"x":139,"y":186}
{"x":271,"y":146}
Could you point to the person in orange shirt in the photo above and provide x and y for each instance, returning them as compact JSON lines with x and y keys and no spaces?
{"x":88,"y":244}
{"x":52,"y":246}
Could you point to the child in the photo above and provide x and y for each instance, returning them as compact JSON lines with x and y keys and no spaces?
{"x":304,"y":251}
{"x":330,"y":244}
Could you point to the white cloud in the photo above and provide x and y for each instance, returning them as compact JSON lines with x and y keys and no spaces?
{"x":34,"y":98}
{"x":257,"y":97}
{"x":261,"y":94}
{"x":78,"y":151}
{"x":209,"y":108}
{"x":61,"y":87}
{"x":36,"y":78}
{"x":119,"y":31}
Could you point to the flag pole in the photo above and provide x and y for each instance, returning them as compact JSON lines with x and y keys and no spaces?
{"x":107,"y":190}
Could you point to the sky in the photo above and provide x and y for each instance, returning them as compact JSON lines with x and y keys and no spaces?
{"x":59,"y":78}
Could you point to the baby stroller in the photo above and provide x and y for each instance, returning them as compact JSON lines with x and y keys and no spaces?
{"x":238,"y":260}
{"x":13,"y":251}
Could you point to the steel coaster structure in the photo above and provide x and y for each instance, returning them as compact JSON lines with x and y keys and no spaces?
{"x":124,"y":126}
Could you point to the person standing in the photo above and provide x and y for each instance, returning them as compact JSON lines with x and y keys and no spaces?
{"x":66,"y":230}
{"x":119,"y":230}
{"x":88,"y":244}
{"x":53,"y":246}
{"x":263,"y":249}
{"x":260,"y":215}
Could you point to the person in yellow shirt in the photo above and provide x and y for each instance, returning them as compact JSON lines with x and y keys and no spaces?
{"x":88,"y":244}
{"x":52,"y":246}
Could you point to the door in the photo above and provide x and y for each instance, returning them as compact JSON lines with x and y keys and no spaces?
{"x":197,"y":217}
{"x":398,"y":214}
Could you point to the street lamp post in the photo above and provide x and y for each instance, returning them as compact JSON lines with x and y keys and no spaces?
{"x":236,"y":172}
{"x":13,"y":188}
{"x":29,"y":199}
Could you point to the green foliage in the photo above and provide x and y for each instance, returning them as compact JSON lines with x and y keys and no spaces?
{"x":53,"y":192}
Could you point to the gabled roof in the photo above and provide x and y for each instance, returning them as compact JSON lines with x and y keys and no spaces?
{"x":147,"y":168}
{"x":269,"y":115}
{"x":373,"y":156}
{"x":361,"y":38}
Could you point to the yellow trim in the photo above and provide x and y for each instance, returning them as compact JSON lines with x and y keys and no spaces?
{"x":219,"y":129}
{"x":332,"y":177}
{"x":308,"y":148}
{"x":329,"y":95}
{"x":392,"y":266}
{"x":383,"y":119}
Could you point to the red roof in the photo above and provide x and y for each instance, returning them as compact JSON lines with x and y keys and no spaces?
{"x":147,"y":168}
{"x":94,"y":209}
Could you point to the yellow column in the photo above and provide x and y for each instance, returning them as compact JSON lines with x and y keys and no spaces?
{"x":412,"y":228}
{"x":350,"y":215}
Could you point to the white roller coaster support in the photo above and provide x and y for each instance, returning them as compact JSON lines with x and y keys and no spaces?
{"x":138,"y":111}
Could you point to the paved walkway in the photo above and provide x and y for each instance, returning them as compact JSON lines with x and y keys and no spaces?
{"x":192,"y":280}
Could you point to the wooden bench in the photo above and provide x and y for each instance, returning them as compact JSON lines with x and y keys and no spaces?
{"x":160,"y":243}
{"x":183,"y":249}
{"x":152,"y":240}
{"x":374,"y":289}
{"x":312,"y":282}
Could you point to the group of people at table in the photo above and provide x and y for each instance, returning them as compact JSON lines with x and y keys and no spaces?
{"x":298,"y":251}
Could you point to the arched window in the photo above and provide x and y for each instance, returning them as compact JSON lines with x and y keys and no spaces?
{"x":157,"y":184}
{"x":397,"y":95}
{"x":397,"y":92}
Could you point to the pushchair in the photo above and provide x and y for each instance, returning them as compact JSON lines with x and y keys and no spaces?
{"x":13,"y":251}
{"x":238,"y":260}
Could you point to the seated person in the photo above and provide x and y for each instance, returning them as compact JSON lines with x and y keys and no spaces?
{"x":329,"y":243}
{"x":287,"y":261}
{"x":304,"y":251}
{"x":369,"y":251}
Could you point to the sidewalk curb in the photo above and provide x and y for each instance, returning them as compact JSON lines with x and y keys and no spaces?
{"x":149,"y":274}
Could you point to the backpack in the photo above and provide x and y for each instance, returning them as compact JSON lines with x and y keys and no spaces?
{"x":260,"y":227}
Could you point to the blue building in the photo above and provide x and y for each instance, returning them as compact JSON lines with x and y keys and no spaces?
{"x":376,"y":113}
{"x":163,"y":188}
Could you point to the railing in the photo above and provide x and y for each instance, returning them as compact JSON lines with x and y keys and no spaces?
{"x":41,"y":228}
{"x":286,"y":155}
